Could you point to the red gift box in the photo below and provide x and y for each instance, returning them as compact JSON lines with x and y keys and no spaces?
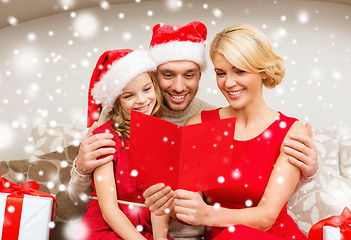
{"x":343,"y":222}
{"x":13,"y":209}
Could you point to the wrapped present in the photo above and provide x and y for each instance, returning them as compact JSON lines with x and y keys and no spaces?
{"x":327,"y":229}
{"x":331,"y":233}
{"x":25,"y":212}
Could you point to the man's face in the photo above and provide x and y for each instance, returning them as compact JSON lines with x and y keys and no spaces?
{"x":179,"y":82}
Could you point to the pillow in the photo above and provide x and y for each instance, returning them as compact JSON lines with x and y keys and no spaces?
{"x":52,"y":172}
{"x":345,"y":155}
{"x":15,"y":170}
{"x":49,"y":137}
{"x":328,"y":193}
{"x":326,"y":141}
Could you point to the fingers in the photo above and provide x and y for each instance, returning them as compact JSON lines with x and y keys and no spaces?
{"x":183,"y":194}
{"x":302,"y":139}
{"x":310,"y":131}
{"x":158,"y":198}
{"x":91,"y":129}
{"x":97,"y":137}
{"x":102,"y":161}
{"x":153,"y":189}
{"x":299,"y":164}
{"x":297,"y":151}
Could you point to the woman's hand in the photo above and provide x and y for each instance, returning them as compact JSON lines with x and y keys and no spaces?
{"x":158,"y":198}
{"x":303,"y":153}
{"x":190,"y":208}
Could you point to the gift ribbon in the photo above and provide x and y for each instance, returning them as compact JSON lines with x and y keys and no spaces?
{"x":343,"y":222}
{"x":14,"y":203}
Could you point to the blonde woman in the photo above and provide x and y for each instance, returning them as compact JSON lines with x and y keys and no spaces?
{"x":254,"y":206}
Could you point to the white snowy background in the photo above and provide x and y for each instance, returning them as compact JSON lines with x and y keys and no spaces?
{"x":46,"y":64}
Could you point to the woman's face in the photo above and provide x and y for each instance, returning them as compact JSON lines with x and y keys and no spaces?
{"x":139,"y":95}
{"x":240,"y":88}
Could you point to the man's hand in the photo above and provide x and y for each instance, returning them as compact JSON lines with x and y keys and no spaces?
{"x":158,"y":198}
{"x":303,"y":153}
{"x":93,"y":147}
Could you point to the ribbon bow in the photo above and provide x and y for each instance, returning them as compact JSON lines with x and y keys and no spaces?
{"x":343,"y":222}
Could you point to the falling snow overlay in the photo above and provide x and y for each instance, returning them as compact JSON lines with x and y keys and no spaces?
{"x":46,"y":64}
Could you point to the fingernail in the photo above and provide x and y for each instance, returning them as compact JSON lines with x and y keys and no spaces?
{"x":292,"y":135}
{"x":111,"y":135}
{"x":286,"y":142}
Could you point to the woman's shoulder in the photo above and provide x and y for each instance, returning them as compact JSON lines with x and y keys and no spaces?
{"x":297,"y":127}
{"x":194,"y":119}
{"x":205,"y":115}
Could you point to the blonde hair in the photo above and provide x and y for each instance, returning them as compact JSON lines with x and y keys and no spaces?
{"x":249,"y":49}
{"x":121,"y":119}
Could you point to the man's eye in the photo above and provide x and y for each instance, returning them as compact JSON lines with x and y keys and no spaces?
{"x":189,"y":75}
{"x":167,"y":75}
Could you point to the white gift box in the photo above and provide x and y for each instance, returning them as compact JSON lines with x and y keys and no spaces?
{"x":35,"y":218}
{"x":331,"y":233}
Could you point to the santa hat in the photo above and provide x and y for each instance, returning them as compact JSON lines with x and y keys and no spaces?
{"x":113,"y":71}
{"x":176,"y":42}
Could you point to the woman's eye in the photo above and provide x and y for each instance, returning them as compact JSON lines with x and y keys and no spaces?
{"x":220,"y":74}
{"x":240,"y":72}
{"x":147,"y":89}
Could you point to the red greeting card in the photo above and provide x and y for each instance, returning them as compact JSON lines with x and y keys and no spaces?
{"x":195,"y":157}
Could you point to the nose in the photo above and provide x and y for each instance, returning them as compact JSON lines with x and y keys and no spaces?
{"x":230,"y":81}
{"x":141,"y":98}
{"x":178,"y":84}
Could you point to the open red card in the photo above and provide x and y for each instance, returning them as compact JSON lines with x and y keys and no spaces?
{"x":195,"y":157}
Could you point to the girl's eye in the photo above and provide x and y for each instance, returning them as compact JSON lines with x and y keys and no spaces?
{"x":240,"y":72}
{"x":128,"y":96}
{"x":147,"y":89}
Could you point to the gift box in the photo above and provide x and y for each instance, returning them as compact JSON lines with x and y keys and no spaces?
{"x":332,"y":228}
{"x":331,"y":233}
{"x":25,"y":212}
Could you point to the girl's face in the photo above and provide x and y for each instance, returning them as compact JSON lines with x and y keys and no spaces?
{"x":139,"y":95}
{"x":240,"y":88}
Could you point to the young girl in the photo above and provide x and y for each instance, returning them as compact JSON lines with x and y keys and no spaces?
{"x":122,"y":81}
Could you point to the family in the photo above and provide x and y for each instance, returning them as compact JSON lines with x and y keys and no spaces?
{"x":274,"y":154}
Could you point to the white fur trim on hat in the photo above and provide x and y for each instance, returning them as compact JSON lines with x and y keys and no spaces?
{"x":121,"y":72}
{"x":179,"y":51}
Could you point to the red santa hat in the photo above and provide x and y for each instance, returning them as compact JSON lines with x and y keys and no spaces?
{"x":176,"y":42}
{"x":113,"y":71}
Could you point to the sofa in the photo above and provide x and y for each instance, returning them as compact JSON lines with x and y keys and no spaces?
{"x":56,"y":146}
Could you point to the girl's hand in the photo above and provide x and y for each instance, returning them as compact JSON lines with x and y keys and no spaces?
{"x":190,"y":208}
{"x":158,"y":198}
